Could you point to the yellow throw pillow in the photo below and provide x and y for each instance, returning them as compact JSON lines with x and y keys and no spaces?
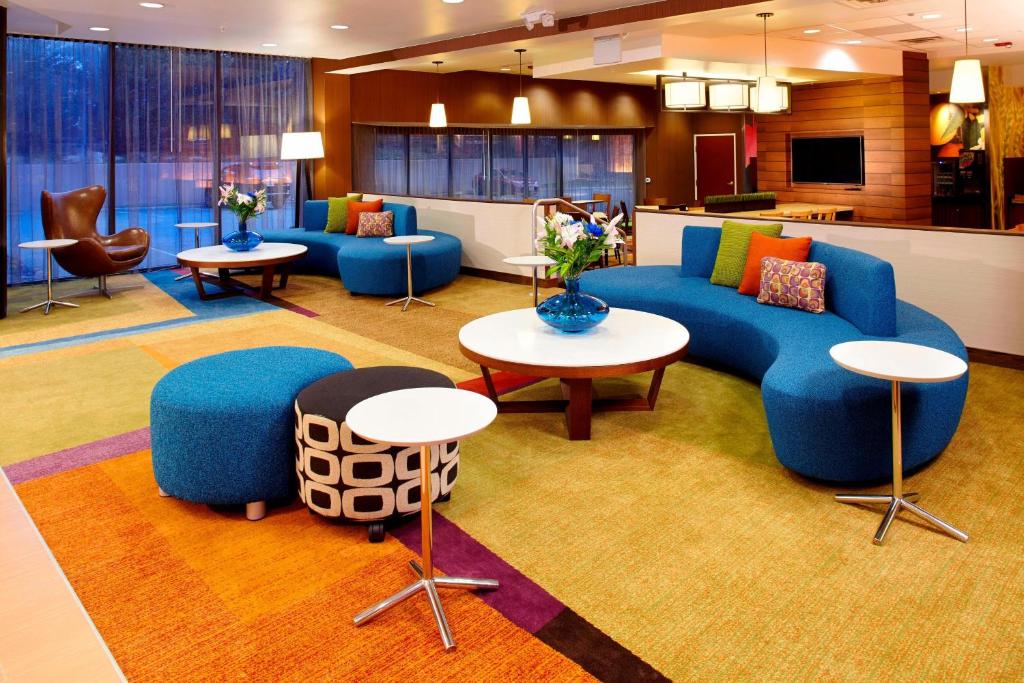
{"x":337,"y":212}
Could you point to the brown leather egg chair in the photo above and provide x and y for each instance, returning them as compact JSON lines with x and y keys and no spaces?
{"x":72,"y":215}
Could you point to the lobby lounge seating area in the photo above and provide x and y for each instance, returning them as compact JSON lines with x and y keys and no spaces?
{"x":447,"y":341}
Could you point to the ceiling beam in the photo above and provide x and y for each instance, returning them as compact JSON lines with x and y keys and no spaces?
{"x":662,"y":9}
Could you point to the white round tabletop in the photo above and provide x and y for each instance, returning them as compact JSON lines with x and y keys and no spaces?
{"x":220,"y":254}
{"x":47,"y":244}
{"x":898,"y":361}
{"x":421,"y":417}
{"x":408,"y":239}
{"x":532,"y":261}
{"x":626,"y":336}
{"x":194,"y":226}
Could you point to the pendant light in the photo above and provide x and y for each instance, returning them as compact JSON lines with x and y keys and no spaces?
{"x":520,"y":105}
{"x":438,"y":118}
{"x":968,"y":86}
{"x":765,"y":96}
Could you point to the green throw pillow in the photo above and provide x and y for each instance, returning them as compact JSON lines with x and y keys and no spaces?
{"x":337,"y":212}
{"x":732,"y":250}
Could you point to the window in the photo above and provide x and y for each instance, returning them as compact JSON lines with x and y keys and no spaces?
{"x":495,"y":164}
{"x":57,"y":136}
{"x":428,"y":165}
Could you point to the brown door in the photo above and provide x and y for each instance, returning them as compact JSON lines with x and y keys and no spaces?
{"x":714,"y":164}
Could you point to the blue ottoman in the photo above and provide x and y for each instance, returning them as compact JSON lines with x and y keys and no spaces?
{"x":221,"y":427}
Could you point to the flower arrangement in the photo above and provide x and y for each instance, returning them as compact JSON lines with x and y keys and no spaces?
{"x":245,"y":206}
{"x":573,"y":244}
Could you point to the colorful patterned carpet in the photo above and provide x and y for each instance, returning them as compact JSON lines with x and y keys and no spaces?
{"x":672,"y":545}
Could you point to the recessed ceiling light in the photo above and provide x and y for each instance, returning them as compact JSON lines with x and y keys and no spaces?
{"x":452,"y":2}
{"x":506,"y":68}
{"x":964,"y":29}
{"x":152,"y":5}
{"x":269,"y":44}
{"x":339,"y":27}
{"x":932,"y":15}
{"x":853,"y":42}
{"x":812,"y":31}
{"x":98,"y":28}
{"x":990,"y":40}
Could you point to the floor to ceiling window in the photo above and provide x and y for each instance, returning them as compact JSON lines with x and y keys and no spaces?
{"x":161,"y":117}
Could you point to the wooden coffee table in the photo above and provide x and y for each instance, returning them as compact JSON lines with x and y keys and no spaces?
{"x":267,"y":256}
{"x":627,"y":343}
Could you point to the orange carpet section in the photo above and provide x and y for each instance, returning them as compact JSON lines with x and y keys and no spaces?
{"x":182,"y":593}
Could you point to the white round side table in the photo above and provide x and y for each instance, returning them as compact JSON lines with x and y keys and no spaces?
{"x":898,"y":362}
{"x":423,"y":417}
{"x":535,"y":261}
{"x":49,"y":246}
{"x":196,"y":228}
{"x":407,"y":241}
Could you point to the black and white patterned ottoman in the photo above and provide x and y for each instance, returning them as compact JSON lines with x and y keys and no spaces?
{"x":343,"y":477}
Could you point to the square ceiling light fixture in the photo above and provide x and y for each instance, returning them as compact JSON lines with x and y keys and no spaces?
{"x":778,"y":95}
{"x":729,"y":95}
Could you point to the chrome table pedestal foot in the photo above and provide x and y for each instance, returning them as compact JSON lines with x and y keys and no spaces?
{"x":408,"y":298}
{"x":898,"y":500}
{"x":50,"y":301}
{"x":426,"y":581}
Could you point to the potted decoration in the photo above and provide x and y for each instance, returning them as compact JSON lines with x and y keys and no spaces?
{"x":244,"y":206}
{"x":574,"y":245}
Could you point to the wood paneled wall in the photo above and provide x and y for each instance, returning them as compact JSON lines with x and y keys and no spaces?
{"x":891,"y":113}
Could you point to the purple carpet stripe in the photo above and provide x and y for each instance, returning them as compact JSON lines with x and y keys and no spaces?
{"x":456,"y":553}
{"x":79,"y":456}
{"x":294,"y":308}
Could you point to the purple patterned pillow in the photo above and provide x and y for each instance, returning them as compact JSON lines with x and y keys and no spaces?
{"x":376,"y":224}
{"x":792,"y":284}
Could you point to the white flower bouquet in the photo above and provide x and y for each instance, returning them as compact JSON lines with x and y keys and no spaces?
{"x":244,"y":206}
{"x":573,"y":244}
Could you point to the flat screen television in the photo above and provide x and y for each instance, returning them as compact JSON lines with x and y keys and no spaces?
{"x":828,"y":160}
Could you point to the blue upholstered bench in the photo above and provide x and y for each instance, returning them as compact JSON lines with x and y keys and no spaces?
{"x":825,"y":422}
{"x":365,"y":264}
{"x":222,"y":427}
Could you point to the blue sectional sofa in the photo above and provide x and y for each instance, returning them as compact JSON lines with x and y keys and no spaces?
{"x":365,"y":264}
{"x":825,"y":422}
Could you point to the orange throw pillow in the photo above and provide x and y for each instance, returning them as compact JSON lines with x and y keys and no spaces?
{"x":792,"y":249}
{"x":356,"y":208}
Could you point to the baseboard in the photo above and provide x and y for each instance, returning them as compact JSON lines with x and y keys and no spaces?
{"x":1003,"y":360}
{"x":507,"y":277}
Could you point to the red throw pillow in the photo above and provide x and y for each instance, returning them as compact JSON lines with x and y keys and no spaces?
{"x":356,"y":208}
{"x":792,"y":249}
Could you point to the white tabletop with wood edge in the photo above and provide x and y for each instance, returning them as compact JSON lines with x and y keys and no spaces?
{"x":898,"y":361}
{"x":45,"y":633}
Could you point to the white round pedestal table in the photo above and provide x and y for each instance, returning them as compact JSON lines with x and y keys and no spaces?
{"x":535,"y":261}
{"x":49,"y":246}
{"x":407,"y":241}
{"x":424,"y":417}
{"x":898,"y":362}
{"x":195,"y":228}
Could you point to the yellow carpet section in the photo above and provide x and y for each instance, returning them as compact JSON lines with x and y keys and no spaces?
{"x":95,"y":313}
{"x":181,"y":593}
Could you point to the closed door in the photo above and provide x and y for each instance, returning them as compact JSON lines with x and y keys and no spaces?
{"x":714,"y":164}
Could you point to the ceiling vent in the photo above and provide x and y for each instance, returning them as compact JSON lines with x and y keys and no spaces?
{"x":921,"y":41}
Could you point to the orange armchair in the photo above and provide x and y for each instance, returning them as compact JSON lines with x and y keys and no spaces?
{"x":72,"y":215}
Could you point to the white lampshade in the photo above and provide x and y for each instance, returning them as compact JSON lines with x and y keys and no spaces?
{"x":520,"y":111}
{"x":728,"y":96}
{"x":685,"y":95}
{"x":968,"y":86}
{"x":302,"y":146}
{"x":766,"y":96}
{"x":438,"y":119}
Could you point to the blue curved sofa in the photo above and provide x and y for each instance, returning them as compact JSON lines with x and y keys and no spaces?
{"x":825,"y":422}
{"x":365,"y":264}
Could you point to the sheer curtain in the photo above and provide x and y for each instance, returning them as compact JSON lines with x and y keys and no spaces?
{"x":164,"y":101}
{"x":263,"y":97}
{"x":380,"y":156}
{"x":428,"y":165}
{"x":57,"y":135}
{"x":599,"y":162}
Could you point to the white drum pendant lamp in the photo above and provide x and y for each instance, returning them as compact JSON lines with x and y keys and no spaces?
{"x":438,"y":118}
{"x":968,"y":85}
{"x":766,"y":95}
{"x":520,"y":105}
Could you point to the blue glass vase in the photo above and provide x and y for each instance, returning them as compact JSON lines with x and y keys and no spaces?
{"x":572,"y":311}
{"x":243,"y":240}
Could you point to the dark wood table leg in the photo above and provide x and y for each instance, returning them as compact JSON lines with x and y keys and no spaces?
{"x":267,"y":285}
{"x":197,"y":278}
{"x":224,"y":274}
{"x":489,"y":383}
{"x":286,"y":270}
{"x":580,"y":393}
{"x":652,"y":393}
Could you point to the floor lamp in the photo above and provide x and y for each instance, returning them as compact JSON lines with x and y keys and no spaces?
{"x":300,"y":148}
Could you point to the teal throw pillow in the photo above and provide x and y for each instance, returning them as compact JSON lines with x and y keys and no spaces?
{"x":732,"y":250}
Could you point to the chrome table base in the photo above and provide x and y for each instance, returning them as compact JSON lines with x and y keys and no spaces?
{"x":427,"y":582}
{"x":408,"y":298}
{"x":898,"y":500}
{"x":50,"y":301}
